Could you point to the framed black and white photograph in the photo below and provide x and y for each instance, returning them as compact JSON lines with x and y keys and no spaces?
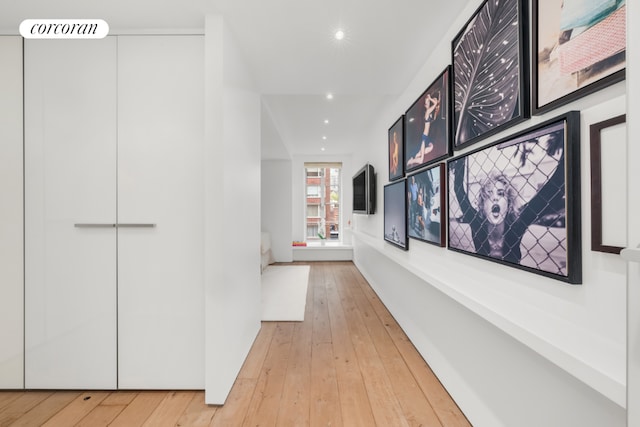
{"x":517,"y":201}
{"x":579,"y":47}
{"x":427,"y":125}
{"x":395,"y":214}
{"x":490,"y":71}
{"x":426,"y":201}
{"x":396,"y":147}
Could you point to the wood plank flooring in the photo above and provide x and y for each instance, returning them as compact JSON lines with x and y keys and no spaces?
{"x":348,"y":364}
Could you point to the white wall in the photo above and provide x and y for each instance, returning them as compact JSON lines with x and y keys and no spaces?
{"x":510,"y":346}
{"x":276,"y":188}
{"x":271,"y":145}
{"x":232,"y":206}
{"x":11,"y":214}
{"x":276,"y":207}
{"x":633,"y":200}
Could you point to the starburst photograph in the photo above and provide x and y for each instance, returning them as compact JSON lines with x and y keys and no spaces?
{"x":489,"y":66}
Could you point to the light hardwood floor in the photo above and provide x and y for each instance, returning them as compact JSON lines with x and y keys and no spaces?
{"x":348,"y":364}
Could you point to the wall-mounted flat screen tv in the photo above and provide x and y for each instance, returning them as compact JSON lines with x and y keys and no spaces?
{"x":364,"y":191}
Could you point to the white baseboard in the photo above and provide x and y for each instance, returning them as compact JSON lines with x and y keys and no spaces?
{"x":323,"y":253}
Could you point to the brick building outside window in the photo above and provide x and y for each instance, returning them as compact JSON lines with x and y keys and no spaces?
{"x":322,"y":212}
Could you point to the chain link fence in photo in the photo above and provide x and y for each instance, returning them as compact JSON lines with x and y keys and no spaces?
{"x":508,"y":202}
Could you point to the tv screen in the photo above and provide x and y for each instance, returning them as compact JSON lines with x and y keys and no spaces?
{"x":359,"y":190}
{"x":364,"y":191}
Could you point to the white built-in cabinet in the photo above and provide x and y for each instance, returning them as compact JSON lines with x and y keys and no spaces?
{"x":161,"y":181}
{"x":11,"y":215}
{"x":70,"y":176}
{"x":114,"y":213}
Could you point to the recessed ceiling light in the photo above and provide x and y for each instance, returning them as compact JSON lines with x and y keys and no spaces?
{"x":329,"y":96}
{"x":339,"y":35}
{"x":324,"y":137}
{"x":322,"y":149}
{"x":326,"y":121}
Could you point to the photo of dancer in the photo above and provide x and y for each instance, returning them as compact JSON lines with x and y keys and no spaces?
{"x":425,"y":198}
{"x":427,"y":126}
{"x":396,"y":145}
{"x":513,"y":202}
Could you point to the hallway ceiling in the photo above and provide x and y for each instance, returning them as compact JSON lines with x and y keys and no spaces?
{"x":294,"y":57}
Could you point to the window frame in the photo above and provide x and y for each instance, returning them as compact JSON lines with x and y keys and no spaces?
{"x":320,"y":175}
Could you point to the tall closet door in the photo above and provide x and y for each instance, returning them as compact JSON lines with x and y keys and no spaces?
{"x":70,"y":200}
{"x":11,"y":215}
{"x":160,"y":212}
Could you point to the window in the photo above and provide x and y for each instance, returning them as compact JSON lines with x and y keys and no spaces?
{"x":312,"y":230}
{"x":313,"y":191}
{"x":313,"y":210}
{"x":322,"y":210}
{"x":311,"y":172}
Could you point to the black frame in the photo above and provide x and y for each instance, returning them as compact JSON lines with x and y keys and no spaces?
{"x":396,"y":129}
{"x":614,"y":76}
{"x":432,"y":230}
{"x":486,"y":99}
{"x":543,"y":186}
{"x":439,"y":126}
{"x":596,"y":184}
{"x":395,"y":213}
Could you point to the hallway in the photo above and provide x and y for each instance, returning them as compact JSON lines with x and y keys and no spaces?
{"x":348,"y":364}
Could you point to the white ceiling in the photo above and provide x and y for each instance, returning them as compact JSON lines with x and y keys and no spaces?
{"x":294,"y":57}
